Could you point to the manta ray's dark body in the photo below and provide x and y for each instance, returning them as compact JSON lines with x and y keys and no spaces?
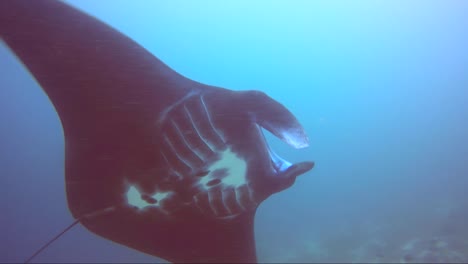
{"x":153,"y":160}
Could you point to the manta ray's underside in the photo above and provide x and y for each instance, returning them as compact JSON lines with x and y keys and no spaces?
{"x":153,"y":160}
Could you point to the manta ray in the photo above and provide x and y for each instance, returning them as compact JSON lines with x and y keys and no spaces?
{"x":154,"y":161}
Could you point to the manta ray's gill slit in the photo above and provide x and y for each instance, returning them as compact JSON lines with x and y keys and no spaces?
{"x":225,"y":196}
{"x":208,"y":115}
{"x":196,"y":201}
{"x":190,"y":134}
{"x":195,"y":127}
{"x":202,"y":121}
{"x":239,"y":199}
{"x":219,"y":201}
{"x":168,"y":109}
{"x":166,"y":160}
{"x":171,"y":169}
{"x":211,"y":201}
{"x":246,"y":198}
{"x":189,"y":148}
{"x":174,"y":151}
{"x":177,"y":143}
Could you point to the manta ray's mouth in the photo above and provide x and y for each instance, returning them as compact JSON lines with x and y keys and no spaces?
{"x":282,"y":166}
{"x":279,"y":163}
{"x":284,"y":171}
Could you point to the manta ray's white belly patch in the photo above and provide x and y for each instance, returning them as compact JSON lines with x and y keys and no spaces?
{"x":141,"y":201}
{"x":224,"y":190}
{"x":233,"y":168}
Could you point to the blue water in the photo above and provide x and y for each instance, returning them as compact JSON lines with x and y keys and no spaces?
{"x":381,"y":88}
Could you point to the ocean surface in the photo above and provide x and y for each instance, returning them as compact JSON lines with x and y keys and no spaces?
{"x":381,"y":88}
